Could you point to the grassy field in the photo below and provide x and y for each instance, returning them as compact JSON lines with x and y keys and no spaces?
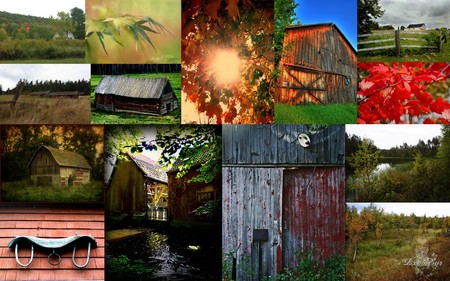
{"x":407,"y":54}
{"x":43,"y":61}
{"x":386,"y":261}
{"x":38,"y":110}
{"x":316,"y":114}
{"x":103,"y":117}
{"x":25,"y":191}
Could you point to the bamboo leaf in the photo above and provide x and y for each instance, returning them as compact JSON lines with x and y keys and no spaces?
{"x":100,"y":37}
{"x":145,"y":36}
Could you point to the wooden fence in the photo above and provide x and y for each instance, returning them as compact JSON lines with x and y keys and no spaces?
{"x":392,"y":39}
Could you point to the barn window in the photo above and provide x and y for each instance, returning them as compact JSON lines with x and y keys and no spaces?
{"x":169,"y":106}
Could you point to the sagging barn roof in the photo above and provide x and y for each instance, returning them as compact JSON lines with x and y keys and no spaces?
{"x":145,"y":88}
{"x":197,"y":160}
{"x":65,"y":158}
{"x":312,"y":26}
{"x":149,"y":167}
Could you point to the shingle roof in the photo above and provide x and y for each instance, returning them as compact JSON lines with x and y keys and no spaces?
{"x":65,"y":158}
{"x":148,"y":88}
{"x":149,"y":167}
{"x":414,"y":25}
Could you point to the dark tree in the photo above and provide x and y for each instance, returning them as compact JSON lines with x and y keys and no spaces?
{"x":77,"y":15}
{"x":368,"y":11}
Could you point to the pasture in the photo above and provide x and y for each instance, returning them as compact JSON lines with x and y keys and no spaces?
{"x":388,"y":258}
{"x":104,"y":117}
{"x":40,"y":110}
{"x":382,"y":45}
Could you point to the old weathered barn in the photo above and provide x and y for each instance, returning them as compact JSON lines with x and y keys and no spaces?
{"x":320,"y":66}
{"x":59,"y":95}
{"x":141,"y":95}
{"x":52,"y":166}
{"x":283,"y":192}
{"x":52,"y":222}
{"x":184,"y":196}
{"x":129,"y":184}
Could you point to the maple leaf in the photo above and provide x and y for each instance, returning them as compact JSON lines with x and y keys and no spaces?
{"x":211,"y":9}
{"x":233,"y":9}
{"x":439,"y":106}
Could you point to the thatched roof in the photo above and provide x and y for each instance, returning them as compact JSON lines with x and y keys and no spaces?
{"x":149,"y":167}
{"x":65,"y":158}
{"x":147,"y":88}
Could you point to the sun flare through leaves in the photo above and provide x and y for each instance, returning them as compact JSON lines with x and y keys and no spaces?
{"x":225,"y":64}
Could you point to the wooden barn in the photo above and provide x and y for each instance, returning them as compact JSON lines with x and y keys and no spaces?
{"x":53,"y":221}
{"x":184,"y":196}
{"x":52,"y":166}
{"x":138,"y":95}
{"x":319,"y":68}
{"x":58,"y":95}
{"x":283,"y":192}
{"x":129,"y":183}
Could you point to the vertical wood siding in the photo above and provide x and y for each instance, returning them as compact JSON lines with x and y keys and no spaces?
{"x":313,"y":211}
{"x":317,"y":47}
{"x":251,"y":200}
{"x":126,"y":192}
{"x":277,"y":144}
{"x":51,"y":223}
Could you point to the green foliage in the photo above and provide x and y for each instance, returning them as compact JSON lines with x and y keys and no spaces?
{"x":26,"y":191}
{"x":41,"y":49}
{"x":138,"y":27}
{"x":3,"y":35}
{"x":198,"y":146}
{"x":368,"y":11}
{"x":284,"y":16}
{"x":212,"y":209}
{"x":62,"y":24}
{"x":122,"y":268}
{"x":78,"y":17}
{"x":316,"y":114}
{"x":311,"y":268}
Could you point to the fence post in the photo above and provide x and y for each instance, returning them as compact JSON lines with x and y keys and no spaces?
{"x":397,"y":42}
{"x":441,"y":37}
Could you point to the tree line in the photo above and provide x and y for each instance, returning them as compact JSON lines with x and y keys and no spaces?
{"x":116,"y":69}
{"x":422,"y":178}
{"x":80,"y":85}
{"x":16,"y":26}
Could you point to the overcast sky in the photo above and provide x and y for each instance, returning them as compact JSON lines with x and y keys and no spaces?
{"x":40,"y":8}
{"x":387,"y":136}
{"x":419,"y":209}
{"x":434,"y":13}
{"x":10,"y":74}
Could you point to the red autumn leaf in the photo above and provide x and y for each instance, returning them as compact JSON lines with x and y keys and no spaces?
{"x":439,"y":105}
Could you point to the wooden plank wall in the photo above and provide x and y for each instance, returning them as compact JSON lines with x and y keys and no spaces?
{"x":277,"y":144}
{"x":126,"y":192}
{"x":251,"y":200}
{"x":313,"y":212}
{"x":51,"y":223}
{"x":319,"y":47}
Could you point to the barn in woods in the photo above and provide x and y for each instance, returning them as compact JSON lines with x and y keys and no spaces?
{"x":137,"y":95}
{"x":184,"y":196}
{"x":319,"y":68}
{"x":129,"y":183}
{"x":52,"y":166}
{"x":283,"y":191}
{"x":52,"y":221}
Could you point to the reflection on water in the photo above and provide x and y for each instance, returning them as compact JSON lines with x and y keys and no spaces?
{"x":383,"y":167}
{"x":173,"y":256}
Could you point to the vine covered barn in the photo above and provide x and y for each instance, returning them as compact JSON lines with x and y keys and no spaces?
{"x":52,"y":166}
{"x":320,"y":66}
{"x":136,"y":95}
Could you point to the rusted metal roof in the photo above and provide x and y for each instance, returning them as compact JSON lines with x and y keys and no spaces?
{"x":149,"y":167}
{"x":145,"y":88}
{"x":65,"y":158}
